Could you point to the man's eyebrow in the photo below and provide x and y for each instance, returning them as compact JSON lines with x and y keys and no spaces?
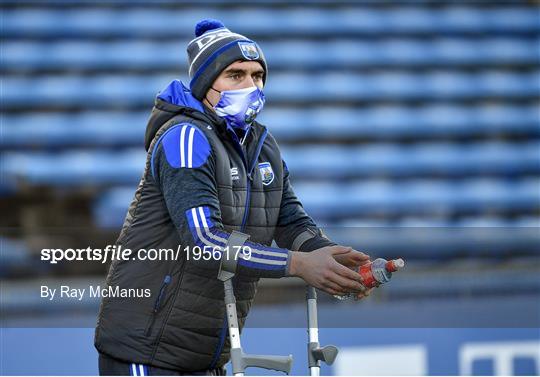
{"x":241,"y":71}
{"x":234,"y":70}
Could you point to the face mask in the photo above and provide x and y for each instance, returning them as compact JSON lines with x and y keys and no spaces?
{"x":240,"y":107}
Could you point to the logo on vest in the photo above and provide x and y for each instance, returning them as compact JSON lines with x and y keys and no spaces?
{"x":249,"y":50}
{"x":267,"y":174}
{"x":234,"y":174}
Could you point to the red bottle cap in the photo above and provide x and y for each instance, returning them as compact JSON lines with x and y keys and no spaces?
{"x":394,"y":265}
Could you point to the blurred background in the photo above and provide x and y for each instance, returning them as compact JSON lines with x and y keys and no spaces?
{"x":411,"y":128}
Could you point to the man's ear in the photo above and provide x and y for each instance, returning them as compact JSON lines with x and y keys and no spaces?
{"x":206,"y":102}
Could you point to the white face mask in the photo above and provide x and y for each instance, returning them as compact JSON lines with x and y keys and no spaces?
{"x":240,"y":107}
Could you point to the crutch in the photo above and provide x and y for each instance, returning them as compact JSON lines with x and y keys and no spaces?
{"x":316,"y":353}
{"x":240,"y":360}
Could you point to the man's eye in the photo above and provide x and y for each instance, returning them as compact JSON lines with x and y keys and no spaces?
{"x":235,"y":77}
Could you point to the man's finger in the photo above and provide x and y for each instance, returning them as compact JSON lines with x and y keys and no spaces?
{"x":364,"y":262}
{"x":352,"y":259}
{"x":364,"y":294}
{"x":329,"y":285}
{"x":358,"y":258}
{"x":353,"y":256}
{"x":337,"y":250}
{"x":359,"y":255}
{"x":346,"y":272}
{"x":348,"y":285}
{"x":333,"y":292}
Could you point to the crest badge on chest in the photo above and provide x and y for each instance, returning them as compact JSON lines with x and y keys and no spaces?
{"x":267,"y":174}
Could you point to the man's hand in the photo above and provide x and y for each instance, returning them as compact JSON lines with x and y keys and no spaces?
{"x":320,"y":269}
{"x":354,"y":259}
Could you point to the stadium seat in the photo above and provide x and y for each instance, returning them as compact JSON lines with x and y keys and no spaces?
{"x":105,"y":129}
{"x":133,"y":91}
{"x":332,"y":202}
{"x":74,"y":169}
{"x":340,"y":54}
{"x":437,"y":159}
{"x":16,"y":259}
{"x":95,"y":167}
{"x":137,"y":22}
{"x":102,"y":129}
{"x":329,"y":201}
{"x":394,"y":122}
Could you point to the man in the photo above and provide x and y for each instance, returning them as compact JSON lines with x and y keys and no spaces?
{"x":211,"y":170}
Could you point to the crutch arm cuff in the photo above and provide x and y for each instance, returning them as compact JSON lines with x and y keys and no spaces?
{"x":227,"y":268}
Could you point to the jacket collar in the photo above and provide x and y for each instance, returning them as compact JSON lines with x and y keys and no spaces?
{"x":177,"y":99}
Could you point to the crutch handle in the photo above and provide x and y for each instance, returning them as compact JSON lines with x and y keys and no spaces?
{"x":326,"y":354}
{"x":243,"y":361}
{"x":316,"y":353}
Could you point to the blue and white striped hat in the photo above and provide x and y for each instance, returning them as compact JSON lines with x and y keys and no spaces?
{"x":214,"y":48}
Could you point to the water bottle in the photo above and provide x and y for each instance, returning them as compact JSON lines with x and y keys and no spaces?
{"x":376,"y":273}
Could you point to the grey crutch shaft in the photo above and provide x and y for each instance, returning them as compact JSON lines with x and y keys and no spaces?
{"x":240,"y":361}
{"x":316,"y":353}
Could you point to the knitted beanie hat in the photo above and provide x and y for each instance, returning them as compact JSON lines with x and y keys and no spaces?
{"x":214,"y":48}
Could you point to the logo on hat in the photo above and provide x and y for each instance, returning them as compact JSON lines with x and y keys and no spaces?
{"x":267,"y":174}
{"x":249,"y":50}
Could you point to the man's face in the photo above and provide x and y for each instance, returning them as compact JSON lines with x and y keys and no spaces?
{"x":238,"y":75}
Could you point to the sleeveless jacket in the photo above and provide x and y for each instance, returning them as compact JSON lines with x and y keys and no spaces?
{"x":199,"y":184}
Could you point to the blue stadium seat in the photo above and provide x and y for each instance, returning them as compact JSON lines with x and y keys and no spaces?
{"x":331,"y":202}
{"x":114,"y":91}
{"x":334,"y":201}
{"x":482,"y":282}
{"x":428,"y":239}
{"x":74,"y":169}
{"x":16,"y":258}
{"x":339,"y":54}
{"x":104,"y":129}
{"x":436,"y":239}
{"x":259,"y":21}
{"x":12,"y":252}
{"x":80,"y":168}
{"x":388,"y":122}
{"x":334,"y":162}
{"x":402,"y":86}
{"x":70,"y":90}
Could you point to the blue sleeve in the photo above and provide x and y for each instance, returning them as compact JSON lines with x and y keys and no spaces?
{"x":183,"y":166}
{"x":253,"y":259}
